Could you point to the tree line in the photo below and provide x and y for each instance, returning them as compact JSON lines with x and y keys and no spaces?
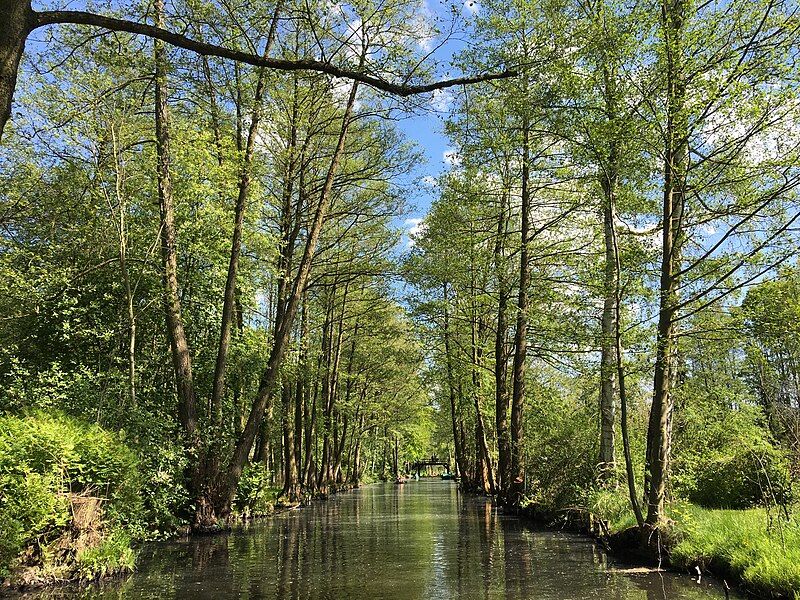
{"x":612,"y":216}
{"x":198,"y":252}
{"x":198,"y":247}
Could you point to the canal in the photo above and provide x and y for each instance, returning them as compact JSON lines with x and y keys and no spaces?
{"x":419,"y":541}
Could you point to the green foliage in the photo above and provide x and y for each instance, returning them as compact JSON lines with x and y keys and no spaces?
{"x":613,"y":506}
{"x":561,"y":445}
{"x":762,"y":549}
{"x":28,"y":507}
{"x":162,"y":466}
{"x":255,"y":495}
{"x":112,"y":556}
{"x":724,"y":458}
{"x":46,"y":458}
{"x":770,"y":315}
{"x":583,"y":127}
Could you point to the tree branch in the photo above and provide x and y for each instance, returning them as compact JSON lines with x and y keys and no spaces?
{"x":40,"y":19}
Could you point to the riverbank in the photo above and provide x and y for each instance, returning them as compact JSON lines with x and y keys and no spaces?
{"x":420,"y":541}
{"x":756,"y":551}
{"x":76,"y":500}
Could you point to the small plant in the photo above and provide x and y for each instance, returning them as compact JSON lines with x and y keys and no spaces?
{"x":255,"y":495}
{"x":113,"y":556}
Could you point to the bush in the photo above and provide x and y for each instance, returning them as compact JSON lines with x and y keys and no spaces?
{"x":563,"y":434}
{"x":255,"y":495}
{"x":725,"y":459}
{"x":46,"y":463}
{"x":163,"y":465}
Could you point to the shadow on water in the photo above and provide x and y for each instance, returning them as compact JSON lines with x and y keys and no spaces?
{"x":419,"y":541}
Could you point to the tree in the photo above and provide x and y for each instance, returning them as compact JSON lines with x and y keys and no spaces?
{"x":23,"y":20}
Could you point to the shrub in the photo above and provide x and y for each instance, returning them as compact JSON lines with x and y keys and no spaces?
{"x":163,"y":465}
{"x":563,"y":434}
{"x":46,"y":461}
{"x":255,"y":496}
{"x":724,"y":458}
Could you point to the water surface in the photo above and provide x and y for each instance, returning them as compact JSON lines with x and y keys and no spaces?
{"x":420,"y":541}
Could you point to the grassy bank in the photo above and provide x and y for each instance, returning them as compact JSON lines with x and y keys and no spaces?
{"x":759,"y":548}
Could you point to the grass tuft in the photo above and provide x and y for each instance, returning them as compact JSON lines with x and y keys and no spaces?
{"x":763,"y":550}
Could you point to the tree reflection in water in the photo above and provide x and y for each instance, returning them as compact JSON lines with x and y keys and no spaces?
{"x":419,"y":541}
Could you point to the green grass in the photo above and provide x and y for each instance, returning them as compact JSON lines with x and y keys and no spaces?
{"x":761,"y":548}
{"x":614,"y":508}
{"x":113,"y":556}
{"x":763,"y":551}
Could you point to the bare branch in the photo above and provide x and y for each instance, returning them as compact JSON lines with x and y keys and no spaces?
{"x":40,"y":19}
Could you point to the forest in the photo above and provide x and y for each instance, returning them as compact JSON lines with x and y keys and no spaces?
{"x":210,"y":308}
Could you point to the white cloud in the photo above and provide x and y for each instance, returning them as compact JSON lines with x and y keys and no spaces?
{"x":451,"y":157}
{"x":471,"y":6}
{"x":430,"y":180}
{"x":442,"y":100}
{"x":708,"y":229}
{"x":422,"y":27}
{"x":415,"y":228}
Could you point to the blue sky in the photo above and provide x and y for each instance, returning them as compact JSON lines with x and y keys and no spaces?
{"x":425,"y":128}
{"x":426,"y":131}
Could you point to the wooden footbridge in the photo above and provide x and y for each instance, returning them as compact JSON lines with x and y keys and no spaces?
{"x":433,"y":461}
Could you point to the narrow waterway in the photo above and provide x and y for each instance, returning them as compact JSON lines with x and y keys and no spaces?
{"x":420,"y":541}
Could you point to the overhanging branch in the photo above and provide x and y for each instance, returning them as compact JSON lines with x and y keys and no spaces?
{"x":40,"y":19}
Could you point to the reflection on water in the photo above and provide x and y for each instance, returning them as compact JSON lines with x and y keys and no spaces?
{"x":420,"y":541}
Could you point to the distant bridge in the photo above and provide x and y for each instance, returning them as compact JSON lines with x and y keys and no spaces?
{"x":433,"y":461}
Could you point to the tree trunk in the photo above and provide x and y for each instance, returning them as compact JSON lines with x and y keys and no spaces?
{"x":291,"y":485}
{"x":500,"y":352}
{"x":457,"y":437}
{"x":517,"y":471}
{"x":181,"y":358}
{"x":623,"y":395}
{"x":484,"y":479}
{"x":675,"y":163}
{"x":218,"y":387}
{"x":310,"y":400}
{"x":302,"y":395}
{"x":291,"y":476}
{"x":122,"y":233}
{"x":14,"y":29}
{"x":355,"y":465}
{"x":332,"y":385}
{"x":338,"y":473}
{"x":395,"y":458}
{"x":607,"y":458}
{"x":328,"y":387}
{"x":200,"y":479}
